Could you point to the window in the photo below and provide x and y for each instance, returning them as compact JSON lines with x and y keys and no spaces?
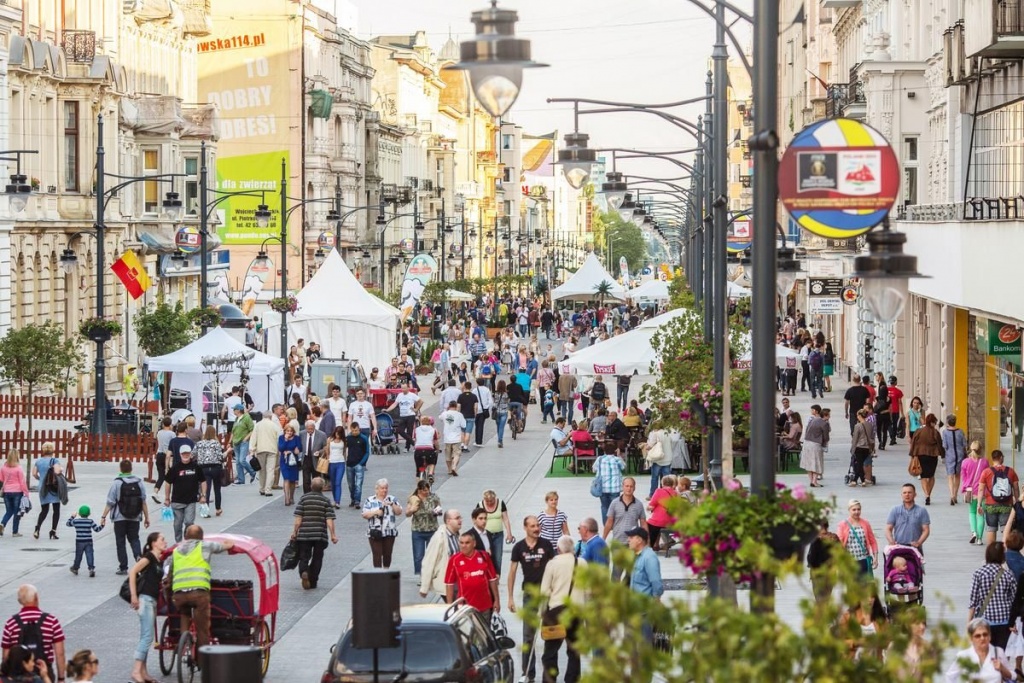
{"x":151,"y":166}
{"x":71,"y":146}
{"x":910,"y":157}
{"x":191,"y":186}
{"x":506,"y":175}
{"x":506,"y":142}
{"x":910,"y":149}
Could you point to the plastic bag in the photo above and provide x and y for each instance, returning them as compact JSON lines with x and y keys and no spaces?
{"x":167,"y":514}
{"x":290,"y":556}
{"x":25,"y":506}
{"x":204,"y":510}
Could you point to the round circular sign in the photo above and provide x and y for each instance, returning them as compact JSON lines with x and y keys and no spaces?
{"x":325,"y":240}
{"x":839,"y":178}
{"x":817,"y":287}
{"x":849,"y":295}
{"x":188,"y":239}
{"x":1009,"y":334}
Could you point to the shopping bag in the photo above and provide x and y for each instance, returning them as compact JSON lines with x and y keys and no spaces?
{"x":290,"y":556}
{"x":204,"y":510}
{"x":167,"y":514}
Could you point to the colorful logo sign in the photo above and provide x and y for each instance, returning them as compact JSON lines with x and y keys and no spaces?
{"x":604,"y":369}
{"x":325,"y":240}
{"x":188,"y":240}
{"x":406,"y":244}
{"x":421,"y":269}
{"x":839,"y":178}
{"x":996,"y":339}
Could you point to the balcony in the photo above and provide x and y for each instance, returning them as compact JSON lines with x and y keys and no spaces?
{"x":845,"y":99}
{"x":79,"y":46}
{"x":994,"y":28}
{"x":959,"y":69}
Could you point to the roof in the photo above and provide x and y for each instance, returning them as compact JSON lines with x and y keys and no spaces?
{"x":584,"y":282}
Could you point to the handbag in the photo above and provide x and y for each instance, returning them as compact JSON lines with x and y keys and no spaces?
{"x":551,"y":627}
{"x":323,"y":464}
{"x":254,"y":463}
{"x":25,"y":506}
{"x":915,"y":466}
{"x":290,"y":556}
{"x":126,"y":591}
{"x":596,"y":487}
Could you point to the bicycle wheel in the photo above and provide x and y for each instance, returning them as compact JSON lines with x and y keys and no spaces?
{"x":263,"y":642}
{"x":515,"y":432}
{"x":186,"y":657}
{"x":167,"y":652}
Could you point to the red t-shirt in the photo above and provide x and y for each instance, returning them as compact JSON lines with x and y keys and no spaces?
{"x":895,"y":400}
{"x":473,"y":576}
{"x":987,"y":480}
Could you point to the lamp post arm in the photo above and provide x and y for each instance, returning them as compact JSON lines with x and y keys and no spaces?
{"x":129,"y":180}
{"x":631,"y":105}
{"x":681,"y":164}
{"x":676,"y":121}
{"x":224,"y":196}
{"x":727,"y":27}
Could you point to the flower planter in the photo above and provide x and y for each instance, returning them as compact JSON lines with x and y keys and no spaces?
{"x":99,"y":334}
{"x":788,"y":541}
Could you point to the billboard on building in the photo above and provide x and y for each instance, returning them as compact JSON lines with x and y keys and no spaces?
{"x":245,"y":69}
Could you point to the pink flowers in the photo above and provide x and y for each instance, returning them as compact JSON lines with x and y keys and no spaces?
{"x":733,"y":485}
{"x":799,"y":492}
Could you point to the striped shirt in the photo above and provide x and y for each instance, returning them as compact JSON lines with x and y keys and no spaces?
{"x":314,"y":509}
{"x":51,"y":630}
{"x":83,"y":528}
{"x":551,"y":525}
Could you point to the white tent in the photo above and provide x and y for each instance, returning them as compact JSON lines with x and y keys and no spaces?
{"x":337,"y":312}
{"x":652,"y":290}
{"x":736,"y":291}
{"x":623,"y":354}
{"x":584,"y":282}
{"x":456,"y":295}
{"x":785,"y":357}
{"x":266,"y":383}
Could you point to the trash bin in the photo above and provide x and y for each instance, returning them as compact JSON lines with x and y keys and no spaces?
{"x":231,"y":664}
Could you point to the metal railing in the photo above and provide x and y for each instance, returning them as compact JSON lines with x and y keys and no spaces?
{"x":1009,"y":17}
{"x":79,"y":46}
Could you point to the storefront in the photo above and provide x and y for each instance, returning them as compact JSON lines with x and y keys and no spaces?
{"x":999,"y":346}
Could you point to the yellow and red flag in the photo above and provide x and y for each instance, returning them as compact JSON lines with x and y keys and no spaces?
{"x":132,"y":274}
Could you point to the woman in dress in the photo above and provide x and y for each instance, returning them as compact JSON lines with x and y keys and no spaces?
{"x":859,"y":540}
{"x":812,"y":455}
{"x":553,"y":522}
{"x":926,"y":444}
{"x":293,"y":363}
{"x":915,"y":416}
{"x":381,"y":511}
{"x":14,"y":485}
{"x":144,"y":582}
{"x":289,"y":451}
{"x":209,"y":455}
{"x":970,"y":473}
{"x":336,"y":458}
{"x":988,"y":658}
{"x":47,"y":498}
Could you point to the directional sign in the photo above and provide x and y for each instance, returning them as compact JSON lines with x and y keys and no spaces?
{"x":839,"y":178}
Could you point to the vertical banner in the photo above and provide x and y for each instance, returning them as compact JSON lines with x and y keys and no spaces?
{"x":421,"y":269}
{"x":245,"y":69}
{"x":624,"y":270}
{"x":252,"y":286}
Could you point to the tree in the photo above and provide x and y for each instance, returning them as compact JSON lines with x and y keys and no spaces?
{"x":37,"y":355}
{"x":164,"y":329}
{"x":626,"y":239}
{"x":602,"y":289}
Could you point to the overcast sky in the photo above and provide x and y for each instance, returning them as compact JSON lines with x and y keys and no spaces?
{"x":641,"y":51}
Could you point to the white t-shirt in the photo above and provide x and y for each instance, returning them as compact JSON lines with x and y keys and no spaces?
{"x":338,"y":407}
{"x":360,"y":412}
{"x":406,"y":404}
{"x":300,"y":390}
{"x":230,"y":402}
{"x":336,"y":450}
{"x":557,"y":435}
{"x":424,"y":436}
{"x":447,"y":396}
{"x":452,"y":424}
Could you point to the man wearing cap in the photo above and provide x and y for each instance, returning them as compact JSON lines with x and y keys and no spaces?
{"x":126,"y":527}
{"x":131,"y":383}
{"x":184,"y":480}
{"x":240,"y":434}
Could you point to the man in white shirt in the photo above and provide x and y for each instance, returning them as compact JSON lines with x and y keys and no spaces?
{"x":361,"y":412}
{"x":560,"y":437}
{"x":486,"y":403}
{"x":408,"y":404}
{"x":452,"y":423}
{"x":230,"y":403}
{"x":338,"y":406}
{"x":450,"y":394}
{"x":298,"y":388}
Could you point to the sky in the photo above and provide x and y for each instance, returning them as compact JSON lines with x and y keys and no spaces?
{"x":639,"y":51}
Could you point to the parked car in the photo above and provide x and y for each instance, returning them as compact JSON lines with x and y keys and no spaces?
{"x":437,"y":644}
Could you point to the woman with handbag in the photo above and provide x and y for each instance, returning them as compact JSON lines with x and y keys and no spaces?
{"x":12,"y":480}
{"x":48,"y":495}
{"x":381,"y":511}
{"x":144,"y":587}
{"x":862,"y":447}
{"x":859,"y":540}
{"x":289,"y":450}
{"x":926,"y":446}
{"x":209,"y":455}
{"x":993,"y":590}
{"x":970,"y":474}
{"x":558,"y":588}
{"x":335,"y":464}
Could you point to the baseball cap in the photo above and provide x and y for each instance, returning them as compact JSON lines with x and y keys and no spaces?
{"x":185,"y":448}
{"x":639,"y":531}
{"x":239,"y":409}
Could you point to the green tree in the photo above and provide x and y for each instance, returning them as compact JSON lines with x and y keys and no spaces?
{"x":602,"y":289}
{"x":38,"y":355}
{"x":626,"y":239}
{"x":163,"y":329}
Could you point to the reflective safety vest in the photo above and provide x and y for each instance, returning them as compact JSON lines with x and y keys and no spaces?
{"x":190,"y":571}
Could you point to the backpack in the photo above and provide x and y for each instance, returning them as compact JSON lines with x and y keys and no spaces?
{"x":30,"y":636}
{"x":815,"y":360}
{"x":598,"y":391}
{"x":1002,"y":491}
{"x":50,"y":482}
{"x":130,"y":500}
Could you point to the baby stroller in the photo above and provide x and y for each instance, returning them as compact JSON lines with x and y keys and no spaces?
{"x":385,"y":440}
{"x":902,"y":591}
{"x":851,"y":474}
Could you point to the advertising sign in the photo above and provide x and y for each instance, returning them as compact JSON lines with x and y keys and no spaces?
{"x":421,"y":269}
{"x":245,"y":69}
{"x":825,"y":286}
{"x":839,"y":178}
{"x":997,"y":339}
{"x":825,"y":305}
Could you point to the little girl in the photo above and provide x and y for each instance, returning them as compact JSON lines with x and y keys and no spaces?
{"x":898,"y":578}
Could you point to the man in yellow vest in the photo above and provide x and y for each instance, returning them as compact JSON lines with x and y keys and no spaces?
{"x":131,"y":383}
{"x":190,"y":580}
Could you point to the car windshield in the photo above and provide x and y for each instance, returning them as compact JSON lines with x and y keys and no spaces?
{"x":426,"y":650}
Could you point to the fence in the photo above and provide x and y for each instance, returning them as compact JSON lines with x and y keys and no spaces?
{"x":55,"y":407}
{"x":72,"y":446}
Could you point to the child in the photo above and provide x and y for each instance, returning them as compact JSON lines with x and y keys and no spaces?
{"x":83,"y":539}
{"x":549,"y":406}
{"x":506,"y":358}
{"x":898,"y":578}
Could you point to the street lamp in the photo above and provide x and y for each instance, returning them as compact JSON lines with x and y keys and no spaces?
{"x":614,"y":190}
{"x":576,"y":159}
{"x":495,"y":59}
{"x":884,"y":272}
{"x":18,"y":190}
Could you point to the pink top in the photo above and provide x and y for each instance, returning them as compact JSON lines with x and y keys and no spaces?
{"x":843,"y":532}
{"x":970,"y":474}
{"x":13,"y":479}
{"x":659,"y":516}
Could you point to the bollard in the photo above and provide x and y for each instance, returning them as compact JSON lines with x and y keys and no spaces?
{"x":149,"y":469}
{"x":231,"y":664}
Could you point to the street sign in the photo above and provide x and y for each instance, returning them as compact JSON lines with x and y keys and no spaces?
{"x":825,"y":286}
{"x":839,"y":178}
{"x":850,"y":295}
{"x":825,"y":305}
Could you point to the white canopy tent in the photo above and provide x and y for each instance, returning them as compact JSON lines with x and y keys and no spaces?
{"x":456,"y":295}
{"x":266,"y":374}
{"x":584,"y":282}
{"x":337,"y":312}
{"x":785,"y":357}
{"x":652,"y":290}
{"x":735,"y":291}
{"x":623,"y":354}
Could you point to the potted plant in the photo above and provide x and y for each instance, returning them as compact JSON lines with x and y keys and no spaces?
{"x":99,"y":329}
{"x":208,"y":316}
{"x":284,"y":304}
{"x":735,"y":532}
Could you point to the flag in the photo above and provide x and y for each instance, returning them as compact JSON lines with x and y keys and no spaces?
{"x":129,"y":270}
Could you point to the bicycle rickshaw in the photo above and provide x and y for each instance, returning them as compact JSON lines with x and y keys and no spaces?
{"x":235,"y":617}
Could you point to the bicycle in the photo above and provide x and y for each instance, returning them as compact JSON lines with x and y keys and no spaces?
{"x":516,"y":424}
